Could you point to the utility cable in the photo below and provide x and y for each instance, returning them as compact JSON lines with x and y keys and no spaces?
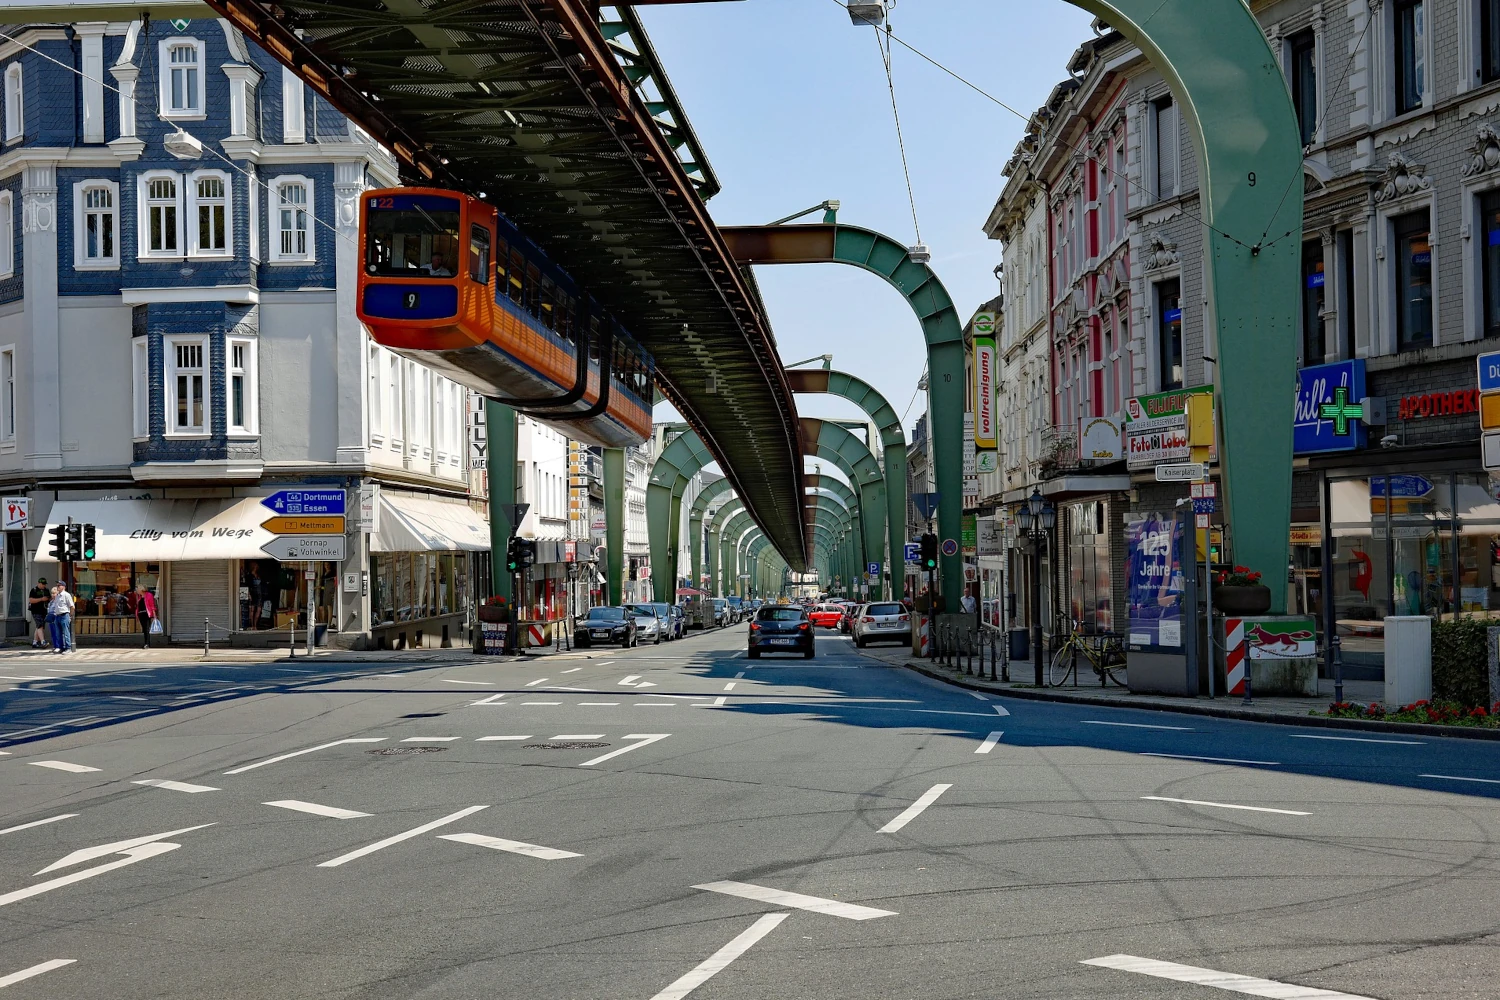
{"x":890,"y":83}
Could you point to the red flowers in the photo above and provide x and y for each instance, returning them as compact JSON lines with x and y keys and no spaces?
{"x":1240,"y":576}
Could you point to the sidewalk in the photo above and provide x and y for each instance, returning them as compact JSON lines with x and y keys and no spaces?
{"x":274,"y":654}
{"x":1286,"y":711}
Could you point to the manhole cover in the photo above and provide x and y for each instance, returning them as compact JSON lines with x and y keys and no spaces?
{"x":570,"y":745}
{"x":399,"y":751}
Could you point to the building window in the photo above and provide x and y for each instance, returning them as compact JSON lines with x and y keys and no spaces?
{"x":7,"y":235}
{"x":1313,"y":278}
{"x":376,"y":397}
{"x":15,"y":107}
{"x":252,"y":185}
{"x":1164,"y":113}
{"x":210,"y":211}
{"x":1347,"y":319}
{"x":1411,"y":54}
{"x":393,"y":388}
{"x":1413,"y":280}
{"x":140,"y":380}
{"x":182,"y":78}
{"x":161,"y":197}
{"x":241,"y":384}
{"x":1122,"y":184}
{"x":1489,"y":216}
{"x":293,"y":108}
{"x":291,"y":219}
{"x":95,"y":225}
{"x":7,"y":394}
{"x":187,"y":384}
{"x":1169,"y":333}
{"x":1489,"y":41}
{"x":1303,"y":51}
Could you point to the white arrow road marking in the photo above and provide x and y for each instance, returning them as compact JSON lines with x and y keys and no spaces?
{"x":299,"y":753}
{"x":40,"y":822}
{"x":646,"y":684}
{"x":132,"y":855}
{"x":989,"y":742}
{"x":796,"y":900}
{"x":513,"y":846}
{"x":35,"y":970}
{"x":1218,"y":980}
{"x":175,"y":786}
{"x":1000,"y":710}
{"x":719,"y":960}
{"x":62,"y":765}
{"x":398,"y":838}
{"x":915,"y":809}
{"x":976,"y":694}
{"x":1224,"y":805}
{"x":333,"y":812}
{"x":630,"y":680}
{"x":646,"y":739}
{"x":118,"y":847}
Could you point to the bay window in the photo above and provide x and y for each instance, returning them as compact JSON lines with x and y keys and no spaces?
{"x":187,"y":386}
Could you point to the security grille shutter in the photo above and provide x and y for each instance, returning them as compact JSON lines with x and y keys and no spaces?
{"x":200,"y":589}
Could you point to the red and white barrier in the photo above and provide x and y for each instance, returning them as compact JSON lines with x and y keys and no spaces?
{"x":1234,"y":655}
{"x":537,"y":635}
{"x":924,"y":634}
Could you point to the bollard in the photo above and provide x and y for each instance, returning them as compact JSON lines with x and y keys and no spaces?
{"x":994,"y":656}
{"x":969,"y":643}
{"x":205,"y":635}
{"x":292,"y":641}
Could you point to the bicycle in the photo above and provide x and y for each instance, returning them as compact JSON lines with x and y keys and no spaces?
{"x":1104,"y":652}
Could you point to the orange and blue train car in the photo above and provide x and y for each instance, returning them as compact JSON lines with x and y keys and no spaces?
{"x":448,"y":282}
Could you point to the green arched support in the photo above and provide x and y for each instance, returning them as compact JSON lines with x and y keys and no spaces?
{"x":815,"y":482}
{"x":720,"y":572}
{"x":1235,"y":102}
{"x":893,"y":447}
{"x":706,"y":496}
{"x":829,"y":441}
{"x":674,"y":468}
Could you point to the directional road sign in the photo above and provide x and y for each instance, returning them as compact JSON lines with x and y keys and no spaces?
{"x":329,"y":525}
{"x":300,"y":548}
{"x":315,"y":501}
{"x":913,"y":552}
{"x":1400,"y":487}
{"x":1184,"y":472}
{"x":1489,"y":372}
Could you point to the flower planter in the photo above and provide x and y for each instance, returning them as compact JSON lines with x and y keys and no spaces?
{"x":1241,"y":601}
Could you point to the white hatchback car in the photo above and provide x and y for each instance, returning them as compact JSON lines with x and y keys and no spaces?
{"x":881,"y":623}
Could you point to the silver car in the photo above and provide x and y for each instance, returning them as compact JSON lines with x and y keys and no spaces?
{"x":881,"y":623}
{"x":649,"y":627}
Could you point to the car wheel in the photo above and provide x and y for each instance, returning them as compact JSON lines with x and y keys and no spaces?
{"x":753,"y":654}
{"x":658,"y":638}
{"x":859,"y":642}
{"x":809,"y":654}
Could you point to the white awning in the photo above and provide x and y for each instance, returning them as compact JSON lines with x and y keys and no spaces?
{"x":166,"y":530}
{"x":423,"y":524}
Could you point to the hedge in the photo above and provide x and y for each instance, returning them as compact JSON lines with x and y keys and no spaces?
{"x":1460,"y":661}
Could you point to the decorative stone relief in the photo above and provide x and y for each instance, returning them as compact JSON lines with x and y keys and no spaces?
{"x":1401,"y":178}
{"x":38,"y":198}
{"x":1485,"y":153}
{"x":1158,"y":252}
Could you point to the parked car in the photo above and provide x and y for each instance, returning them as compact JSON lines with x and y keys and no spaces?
{"x":736,"y":608}
{"x":886,"y":622}
{"x":781,"y":630}
{"x":846,"y":623}
{"x":720,"y":608}
{"x":606,"y":625}
{"x":826,"y":615}
{"x":652,"y":620}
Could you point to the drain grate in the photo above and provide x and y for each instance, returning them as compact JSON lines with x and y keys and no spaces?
{"x":400,"y":751}
{"x":569,"y":745}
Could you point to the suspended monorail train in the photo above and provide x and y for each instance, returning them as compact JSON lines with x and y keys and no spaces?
{"x":450,"y":283}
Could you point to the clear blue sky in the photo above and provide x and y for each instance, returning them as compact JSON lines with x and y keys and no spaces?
{"x":790,"y":102}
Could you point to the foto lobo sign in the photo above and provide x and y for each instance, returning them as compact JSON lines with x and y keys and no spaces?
{"x":985,"y":434}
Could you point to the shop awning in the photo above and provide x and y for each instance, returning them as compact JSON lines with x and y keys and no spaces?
{"x":166,"y":530}
{"x":423,"y":524}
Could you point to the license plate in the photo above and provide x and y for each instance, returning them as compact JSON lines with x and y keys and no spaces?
{"x":601,"y":635}
{"x":885,"y":624}
{"x":783,"y":642}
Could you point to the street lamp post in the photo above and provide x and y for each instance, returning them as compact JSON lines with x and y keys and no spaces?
{"x":1035,"y":519}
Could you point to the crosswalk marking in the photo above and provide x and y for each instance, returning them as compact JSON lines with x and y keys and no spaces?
{"x":1229,"y":981}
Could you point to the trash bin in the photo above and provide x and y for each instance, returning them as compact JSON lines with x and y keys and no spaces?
{"x":320,"y":634}
{"x":1020,"y":644}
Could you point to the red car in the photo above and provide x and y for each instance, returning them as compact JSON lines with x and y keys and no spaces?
{"x":826,"y":615}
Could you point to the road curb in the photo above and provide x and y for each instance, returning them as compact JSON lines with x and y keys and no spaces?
{"x":1314,"y":721}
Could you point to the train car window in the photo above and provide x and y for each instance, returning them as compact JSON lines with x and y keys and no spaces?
{"x":411,"y":236}
{"x":546,"y":303}
{"x":502,"y":271}
{"x":517,"y":277}
{"x":596,"y":337}
{"x":533,"y":289}
{"x":479,"y":253}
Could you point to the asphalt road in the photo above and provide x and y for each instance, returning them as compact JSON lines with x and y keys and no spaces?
{"x":678,"y":821}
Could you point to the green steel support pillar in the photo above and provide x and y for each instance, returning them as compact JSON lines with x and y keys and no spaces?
{"x":614,"y":523}
{"x":673,"y":554}
{"x":715,"y":566}
{"x":670,"y":474}
{"x":500,"y":471}
{"x":705,"y":498}
{"x":695,"y":546}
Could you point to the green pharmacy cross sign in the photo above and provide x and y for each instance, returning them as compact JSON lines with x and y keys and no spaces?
{"x":1341,"y":411}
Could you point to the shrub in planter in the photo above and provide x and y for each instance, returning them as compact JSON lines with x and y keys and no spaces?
{"x":1460,"y":662}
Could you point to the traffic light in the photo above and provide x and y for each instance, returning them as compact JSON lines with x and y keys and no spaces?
{"x":513,"y":555}
{"x":74,"y":547}
{"x":58,"y":546}
{"x":929,"y":551}
{"x":89,"y":534}
{"x":526,"y":552}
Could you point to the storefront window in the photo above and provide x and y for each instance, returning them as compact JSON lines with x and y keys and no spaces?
{"x":102,"y":592}
{"x":273,"y":595}
{"x":406,"y":586}
{"x":1089,"y":576}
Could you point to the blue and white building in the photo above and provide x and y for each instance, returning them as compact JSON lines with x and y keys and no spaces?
{"x":178,"y":254}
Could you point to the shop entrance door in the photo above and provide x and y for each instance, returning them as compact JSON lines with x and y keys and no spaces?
{"x":199,"y":590}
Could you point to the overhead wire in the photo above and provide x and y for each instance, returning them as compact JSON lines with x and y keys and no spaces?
{"x":890,"y":83}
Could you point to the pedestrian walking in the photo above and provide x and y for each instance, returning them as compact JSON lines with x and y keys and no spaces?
{"x":62,"y":620}
{"x":40,"y":597}
{"x":145,"y":610}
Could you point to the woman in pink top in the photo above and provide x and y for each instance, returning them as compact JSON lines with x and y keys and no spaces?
{"x":145,"y":611}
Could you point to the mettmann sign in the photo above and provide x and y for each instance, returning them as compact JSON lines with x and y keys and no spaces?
{"x":985,"y":432}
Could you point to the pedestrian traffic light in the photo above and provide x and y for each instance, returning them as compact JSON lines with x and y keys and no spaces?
{"x":89,"y":534}
{"x":74,"y":547}
{"x":929,"y":551}
{"x":58,"y":542}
